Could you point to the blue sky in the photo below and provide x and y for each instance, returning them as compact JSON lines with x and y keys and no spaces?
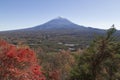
{"x":17,"y":14}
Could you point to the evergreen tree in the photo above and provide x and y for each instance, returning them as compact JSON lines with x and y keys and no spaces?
{"x":100,"y":61}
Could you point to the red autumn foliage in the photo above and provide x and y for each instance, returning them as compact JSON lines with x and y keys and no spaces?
{"x":54,"y":75}
{"x":18,"y":63}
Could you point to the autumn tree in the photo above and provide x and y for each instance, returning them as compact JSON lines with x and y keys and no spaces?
{"x":57,"y":64}
{"x":18,"y":63}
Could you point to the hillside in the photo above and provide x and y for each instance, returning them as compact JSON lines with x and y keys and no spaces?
{"x":54,"y":35}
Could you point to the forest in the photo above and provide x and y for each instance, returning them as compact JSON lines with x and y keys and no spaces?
{"x":99,"y":61}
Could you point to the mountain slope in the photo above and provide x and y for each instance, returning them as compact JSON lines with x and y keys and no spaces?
{"x":62,"y":25}
{"x":58,"y":23}
{"x":49,"y":34}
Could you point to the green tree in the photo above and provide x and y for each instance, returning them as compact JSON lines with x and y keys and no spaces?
{"x":100,"y":61}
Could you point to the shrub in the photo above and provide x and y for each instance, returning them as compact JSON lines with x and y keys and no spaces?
{"x":18,"y":63}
